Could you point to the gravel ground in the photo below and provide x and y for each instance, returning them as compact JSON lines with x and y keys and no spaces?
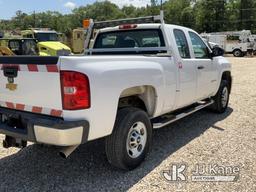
{"x":203,"y":138}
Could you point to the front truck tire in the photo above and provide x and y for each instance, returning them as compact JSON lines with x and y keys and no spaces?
{"x":130,"y":141}
{"x":221,"y":99}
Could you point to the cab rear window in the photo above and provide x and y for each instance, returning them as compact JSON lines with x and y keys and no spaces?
{"x":130,"y":39}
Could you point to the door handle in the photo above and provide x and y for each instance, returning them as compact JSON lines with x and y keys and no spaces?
{"x":200,"y":67}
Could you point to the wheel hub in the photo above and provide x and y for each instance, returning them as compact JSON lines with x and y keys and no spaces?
{"x":136,"y":140}
{"x":224,"y":97}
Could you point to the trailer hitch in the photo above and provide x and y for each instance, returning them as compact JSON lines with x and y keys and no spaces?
{"x":11,"y":73}
{"x":13,"y":142}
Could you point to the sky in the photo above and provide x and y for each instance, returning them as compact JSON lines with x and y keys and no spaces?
{"x":9,"y":7}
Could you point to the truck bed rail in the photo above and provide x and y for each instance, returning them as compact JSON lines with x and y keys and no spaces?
{"x":103,"y":24}
{"x":139,"y":20}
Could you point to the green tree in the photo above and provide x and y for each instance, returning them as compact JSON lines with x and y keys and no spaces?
{"x":129,"y":11}
{"x":210,"y":15}
{"x":232,"y":12}
{"x":247,"y":14}
{"x":177,"y":11}
{"x":99,"y":11}
{"x":187,"y":17}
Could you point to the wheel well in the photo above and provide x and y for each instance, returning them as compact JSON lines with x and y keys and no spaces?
{"x":227,"y":76}
{"x":132,"y":101}
{"x":143,"y":97}
{"x":237,"y":49}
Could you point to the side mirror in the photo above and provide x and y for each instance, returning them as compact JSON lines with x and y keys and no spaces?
{"x":217,"y":51}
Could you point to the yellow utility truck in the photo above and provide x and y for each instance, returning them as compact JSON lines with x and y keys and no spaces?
{"x":18,"y":46}
{"x":48,"y":42}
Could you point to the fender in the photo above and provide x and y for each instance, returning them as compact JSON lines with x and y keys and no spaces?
{"x":223,"y":66}
{"x":108,"y":83}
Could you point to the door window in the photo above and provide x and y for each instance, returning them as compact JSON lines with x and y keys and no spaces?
{"x":200,"y":49}
{"x":182,"y":43}
{"x":14,"y":45}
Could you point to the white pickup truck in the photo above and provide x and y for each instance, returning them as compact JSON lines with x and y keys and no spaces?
{"x":136,"y":78}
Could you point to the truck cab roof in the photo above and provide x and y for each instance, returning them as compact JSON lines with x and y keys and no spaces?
{"x":39,"y":30}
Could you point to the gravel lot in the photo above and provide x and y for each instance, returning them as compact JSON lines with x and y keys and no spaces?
{"x":203,"y":138}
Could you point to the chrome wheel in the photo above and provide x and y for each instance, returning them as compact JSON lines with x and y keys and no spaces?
{"x":136,"y":140}
{"x":224,"y":97}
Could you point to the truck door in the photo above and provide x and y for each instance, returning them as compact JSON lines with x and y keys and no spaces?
{"x":186,"y":90}
{"x":204,"y":67}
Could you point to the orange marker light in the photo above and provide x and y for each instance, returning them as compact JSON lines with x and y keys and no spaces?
{"x":86,"y":23}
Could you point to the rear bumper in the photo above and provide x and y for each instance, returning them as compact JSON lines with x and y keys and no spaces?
{"x":43,"y":129}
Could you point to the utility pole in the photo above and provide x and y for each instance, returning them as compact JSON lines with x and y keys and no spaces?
{"x":241,"y":14}
{"x":162,"y":12}
{"x":34,"y":17}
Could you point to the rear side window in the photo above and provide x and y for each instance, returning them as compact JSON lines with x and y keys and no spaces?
{"x":200,"y":49}
{"x":130,"y":39}
{"x":182,"y":43}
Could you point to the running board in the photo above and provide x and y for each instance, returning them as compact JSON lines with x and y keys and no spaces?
{"x":169,"y":118}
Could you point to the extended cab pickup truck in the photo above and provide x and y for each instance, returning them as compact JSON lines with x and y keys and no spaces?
{"x":135,"y":78}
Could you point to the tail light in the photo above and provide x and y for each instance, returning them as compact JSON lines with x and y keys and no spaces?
{"x":75,"y":90}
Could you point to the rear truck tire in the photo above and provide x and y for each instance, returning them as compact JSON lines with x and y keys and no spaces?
{"x":238,"y":53}
{"x":221,"y":99}
{"x":129,"y":144}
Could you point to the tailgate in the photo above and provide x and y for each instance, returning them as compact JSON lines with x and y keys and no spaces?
{"x":31,"y":84}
